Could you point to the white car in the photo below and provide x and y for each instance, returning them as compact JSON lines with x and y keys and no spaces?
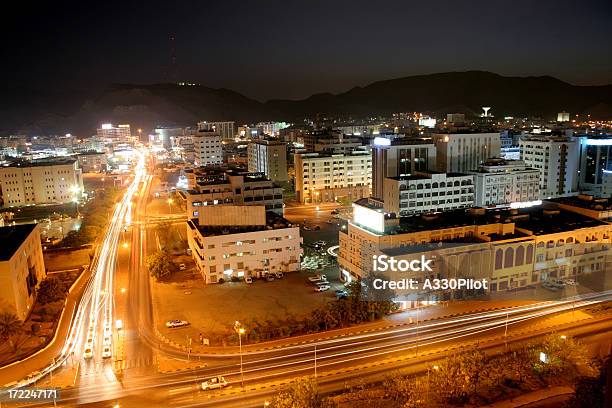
{"x":322,"y":288}
{"x":317,"y":278}
{"x":88,"y":353}
{"x":182,"y":267}
{"x":214,"y":383}
{"x":106,"y":352}
{"x":176,"y":323}
{"x":108,"y":329}
{"x":107,"y":341}
{"x":248,"y":279}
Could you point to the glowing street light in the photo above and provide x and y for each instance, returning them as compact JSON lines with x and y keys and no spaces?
{"x":240,"y":330}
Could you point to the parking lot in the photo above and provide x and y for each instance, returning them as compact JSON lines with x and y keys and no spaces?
{"x":213,"y":309}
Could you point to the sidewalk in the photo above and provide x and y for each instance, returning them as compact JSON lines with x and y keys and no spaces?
{"x":392,"y":321}
{"x":532,"y":398}
{"x":42,"y":358}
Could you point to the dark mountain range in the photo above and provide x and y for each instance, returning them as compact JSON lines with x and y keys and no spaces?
{"x":37,"y":111}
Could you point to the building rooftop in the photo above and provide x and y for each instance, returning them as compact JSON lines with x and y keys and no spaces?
{"x":427,"y":175}
{"x":43,"y":162}
{"x":587,"y":202}
{"x":12,"y":237}
{"x":273,"y":222}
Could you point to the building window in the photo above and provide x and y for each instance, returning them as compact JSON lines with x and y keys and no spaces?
{"x":509,"y":258}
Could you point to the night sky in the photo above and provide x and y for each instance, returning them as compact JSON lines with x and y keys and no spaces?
{"x":290,"y":49}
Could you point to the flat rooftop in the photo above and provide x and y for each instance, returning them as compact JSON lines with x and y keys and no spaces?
{"x":12,"y":237}
{"x":426,"y":175}
{"x":273,"y":222}
{"x":586,"y":202}
{"x":41,"y":163}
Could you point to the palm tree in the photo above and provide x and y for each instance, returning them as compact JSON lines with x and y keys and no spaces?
{"x":10,"y":325}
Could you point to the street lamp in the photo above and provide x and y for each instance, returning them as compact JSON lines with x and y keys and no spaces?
{"x":170,"y":201}
{"x":240,"y":330}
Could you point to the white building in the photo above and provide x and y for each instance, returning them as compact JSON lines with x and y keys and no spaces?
{"x":268,"y":157}
{"x":240,"y":241}
{"x":22,"y":268}
{"x":462,"y":152}
{"x":92,"y":162}
{"x":41,"y":182}
{"x":502,"y":182}
{"x":110,"y":132}
{"x":557,"y":159}
{"x":208,"y":148}
{"x":563,"y":116}
{"x":271,"y":128}
{"x":428,"y":192}
{"x":595,"y":165}
{"x":226,"y":129}
{"x":327,"y":178}
{"x":337,"y":144}
{"x":229,"y":187}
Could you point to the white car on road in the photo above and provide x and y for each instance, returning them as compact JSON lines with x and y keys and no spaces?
{"x":176,"y":323}
{"x":88,"y":353}
{"x":317,"y":278}
{"x":214,"y":383}
{"x":106,"y":352}
{"x":322,"y":288}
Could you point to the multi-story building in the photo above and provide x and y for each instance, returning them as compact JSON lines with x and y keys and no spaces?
{"x":399,"y":157}
{"x":462,"y":152}
{"x":230,"y":187}
{"x":92,"y":162}
{"x":337,"y":143}
{"x":225,"y":129}
{"x":596,"y":165}
{"x":327,"y":178}
{"x":428,"y":192}
{"x":502,"y":182}
{"x":208,"y":147}
{"x":169,"y":135}
{"x":22,"y":268}
{"x":557,"y":159}
{"x":41,"y":182}
{"x":271,"y":128}
{"x":509,"y":248}
{"x":268,"y":157}
{"x":241,"y":241}
{"x":119,"y":133}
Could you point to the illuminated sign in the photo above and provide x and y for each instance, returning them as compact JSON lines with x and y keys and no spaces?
{"x":525,"y":204}
{"x":599,"y":142}
{"x":382,"y":141}
{"x":369,"y":218}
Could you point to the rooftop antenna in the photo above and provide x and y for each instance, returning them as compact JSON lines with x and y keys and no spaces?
{"x":486,"y":111}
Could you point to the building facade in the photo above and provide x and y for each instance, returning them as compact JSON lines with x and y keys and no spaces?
{"x":226,"y":130}
{"x":268,"y":157}
{"x":399,"y":158}
{"x":502,"y":182}
{"x":328,"y":178}
{"x":557,"y":159}
{"x":596,"y":165}
{"x":208,"y":148}
{"x":41,"y":182}
{"x":22,"y":268}
{"x":243,"y":242}
{"x":463,"y":152}
{"x":428,"y":192}
{"x":92,"y":162}
{"x":114,"y":133}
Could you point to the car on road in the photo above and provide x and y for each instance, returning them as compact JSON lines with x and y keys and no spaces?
{"x":316,"y":228}
{"x":321,"y":282}
{"x":176,"y":323}
{"x":214,"y":383}
{"x":306,"y":228}
{"x":106,"y":352}
{"x":107,"y":341}
{"x":321,"y":243}
{"x":317,"y":278}
{"x":182,"y":267}
{"x":341,"y":294}
{"x":248,"y":280}
{"x":549,"y":286}
{"x":322,"y":288}
{"x":278,"y":275}
{"x":88,"y":353}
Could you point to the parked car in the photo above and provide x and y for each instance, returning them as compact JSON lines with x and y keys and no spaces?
{"x":549,"y":286}
{"x":176,"y":323}
{"x":317,"y":278}
{"x":248,"y":280}
{"x":334,"y":212}
{"x":278,"y":275}
{"x":106,"y":352}
{"x":269,"y":278}
{"x":214,"y":383}
{"x":316,"y":228}
{"x":321,"y":242}
{"x":322,"y":288}
{"x":322,"y":282}
{"x":182,"y":267}
{"x":341,"y":294}
{"x":570,"y":282}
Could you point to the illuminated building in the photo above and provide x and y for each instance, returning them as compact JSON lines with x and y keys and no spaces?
{"x":92,"y":162}
{"x":41,"y":182}
{"x":462,"y":152}
{"x":596,"y":165}
{"x":225,"y":129}
{"x":499,"y":182}
{"x":208,"y":147}
{"x":119,"y":133}
{"x":240,"y":241}
{"x":268,"y":157}
{"x":22,"y":268}
{"x":327,"y":178}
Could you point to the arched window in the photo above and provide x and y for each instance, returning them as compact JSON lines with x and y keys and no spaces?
{"x":412,"y":187}
{"x":560,"y":242}
{"x":456,"y":183}
{"x":402,"y":187}
{"x":434,"y":185}
{"x":442,"y":184}
{"x":570,"y":240}
{"x":529,"y":257}
{"x":419,"y":186}
{"x":427,"y":185}
{"x":519,"y":258}
{"x":499,"y":255}
{"x":509,"y":258}
{"x":541,"y":244}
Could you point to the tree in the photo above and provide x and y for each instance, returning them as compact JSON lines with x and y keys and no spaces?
{"x":10,"y":326}
{"x":50,"y":290}
{"x":159,"y":265}
{"x":300,"y":394}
